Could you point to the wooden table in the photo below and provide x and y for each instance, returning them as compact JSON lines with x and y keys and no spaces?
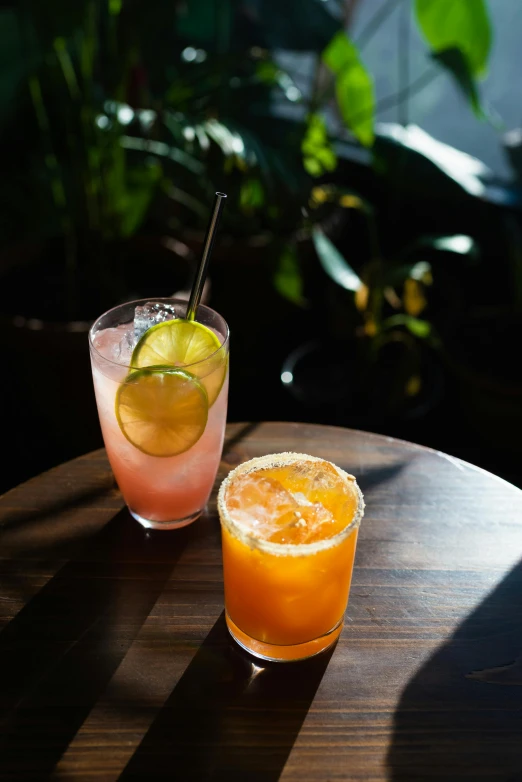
{"x":115,"y":662}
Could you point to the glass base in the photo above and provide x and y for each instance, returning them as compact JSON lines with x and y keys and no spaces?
{"x":173,"y":524}
{"x":278,"y":653}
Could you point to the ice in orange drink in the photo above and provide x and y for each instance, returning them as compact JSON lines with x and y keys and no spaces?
{"x":289,"y":527}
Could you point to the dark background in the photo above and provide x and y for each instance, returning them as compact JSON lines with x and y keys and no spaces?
{"x":370,"y":254}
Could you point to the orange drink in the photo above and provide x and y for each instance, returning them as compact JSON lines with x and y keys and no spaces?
{"x":289,"y":527}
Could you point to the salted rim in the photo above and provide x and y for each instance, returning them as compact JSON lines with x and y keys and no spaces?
{"x":283,"y":549}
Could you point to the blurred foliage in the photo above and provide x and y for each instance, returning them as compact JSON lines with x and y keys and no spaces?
{"x":390,"y":294}
{"x":353,"y":87}
{"x":463,"y":26}
{"x":121,"y":116}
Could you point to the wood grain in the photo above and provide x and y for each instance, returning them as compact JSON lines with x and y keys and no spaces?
{"x":115,"y":661}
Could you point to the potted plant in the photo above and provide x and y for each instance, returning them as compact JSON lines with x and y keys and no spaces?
{"x":78,"y":190}
{"x":137,"y":120}
{"x":373,"y":343}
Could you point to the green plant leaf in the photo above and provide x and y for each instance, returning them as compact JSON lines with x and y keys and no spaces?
{"x":353,"y":87}
{"x":455,"y":62}
{"x":333,"y":263}
{"x":419,"y":328}
{"x":318,"y":155}
{"x":252,"y":195}
{"x":461,"y":24}
{"x":416,"y":326}
{"x":411,"y":156}
{"x":340,"y":53}
{"x":287,"y":278}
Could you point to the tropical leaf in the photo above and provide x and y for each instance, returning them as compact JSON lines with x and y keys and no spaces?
{"x":416,"y":326}
{"x":455,"y":62}
{"x":353,"y":87}
{"x":461,"y":24}
{"x":427,"y":154}
{"x":333,"y":263}
{"x":287,"y":278}
{"x":318,"y":155}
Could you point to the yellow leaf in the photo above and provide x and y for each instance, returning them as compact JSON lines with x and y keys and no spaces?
{"x":361,"y":297}
{"x":370,"y":327}
{"x":319,"y":195}
{"x":350,"y":202}
{"x":413,"y":386}
{"x":414,"y":299}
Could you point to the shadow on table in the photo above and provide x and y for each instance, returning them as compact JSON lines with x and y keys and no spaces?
{"x":460,"y":717}
{"x":238,"y":437}
{"x":373,"y":477}
{"x":60,"y":651}
{"x":230,"y":717}
{"x":51,"y":507}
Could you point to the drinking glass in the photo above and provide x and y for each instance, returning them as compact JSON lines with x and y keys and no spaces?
{"x":161,"y":491}
{"x":286,"y":601}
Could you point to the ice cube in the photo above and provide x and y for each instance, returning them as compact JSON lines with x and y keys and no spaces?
{"x":151,"y":313}
{"x":262,"y":505}
{"x":324,"y":488}
{"x":315,"y":477}
{"x":116,"y":344}
{"x":310,"y":523}
{"x":125,"y":347}
{"x":319,"y":523}
{"x":300,"y":498}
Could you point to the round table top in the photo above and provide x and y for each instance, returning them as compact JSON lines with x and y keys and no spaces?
{"x":115,"y":662}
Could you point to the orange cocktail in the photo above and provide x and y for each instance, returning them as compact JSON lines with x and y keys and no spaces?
{"x":289,"y":525}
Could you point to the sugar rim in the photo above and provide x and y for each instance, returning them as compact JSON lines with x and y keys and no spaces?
{"x":284,"y":549}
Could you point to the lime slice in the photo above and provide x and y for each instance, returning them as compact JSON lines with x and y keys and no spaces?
{"x":161,"y":410}
{"x":181,"y":343}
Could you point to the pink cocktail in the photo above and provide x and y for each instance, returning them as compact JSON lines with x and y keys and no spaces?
{"x":162,"y":489}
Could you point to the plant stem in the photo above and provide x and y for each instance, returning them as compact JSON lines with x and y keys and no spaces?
{"x":375,"y":22}
{"x":314,"y":97}
{"x":403,"y":61}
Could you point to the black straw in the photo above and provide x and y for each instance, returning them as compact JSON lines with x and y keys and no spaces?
{"x":197,"y":288}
